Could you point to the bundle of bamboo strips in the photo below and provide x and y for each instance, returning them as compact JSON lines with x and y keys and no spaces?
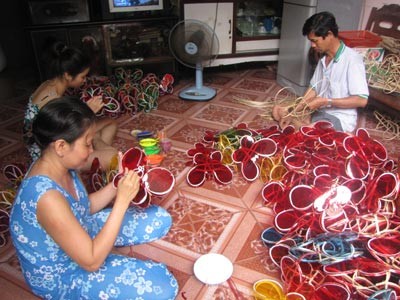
{"x":284,"y":97}
{"x":389,"y":127}
{"x":384,"y":75}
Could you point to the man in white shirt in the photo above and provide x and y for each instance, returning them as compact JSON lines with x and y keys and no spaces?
{"x":338,"y":86}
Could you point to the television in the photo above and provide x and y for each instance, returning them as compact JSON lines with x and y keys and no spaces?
{"x":128,"y":6}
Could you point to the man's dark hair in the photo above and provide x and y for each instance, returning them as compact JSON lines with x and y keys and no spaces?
{"x":320,"y":24}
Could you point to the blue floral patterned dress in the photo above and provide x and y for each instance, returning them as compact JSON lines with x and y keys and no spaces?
{"x":52,"y":274}
{"x":30,"y":113}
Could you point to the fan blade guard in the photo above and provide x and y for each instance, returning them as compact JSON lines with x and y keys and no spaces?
{"x":193,"y":42}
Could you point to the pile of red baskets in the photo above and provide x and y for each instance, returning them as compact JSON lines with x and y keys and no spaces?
{"x":335,"y":233}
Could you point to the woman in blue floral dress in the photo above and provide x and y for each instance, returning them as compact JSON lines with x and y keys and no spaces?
{"x":64,"y":237}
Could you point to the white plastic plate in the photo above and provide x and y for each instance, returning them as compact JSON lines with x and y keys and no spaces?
{"x":213,"y":268}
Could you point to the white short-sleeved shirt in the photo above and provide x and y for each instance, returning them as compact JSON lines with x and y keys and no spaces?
{"x":343,"y":77}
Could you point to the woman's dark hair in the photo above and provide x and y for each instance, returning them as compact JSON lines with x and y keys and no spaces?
{"x":320,"y":24}
{"x":60,"y":59}
{"x":64,"y":118}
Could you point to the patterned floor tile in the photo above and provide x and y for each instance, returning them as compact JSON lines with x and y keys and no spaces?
{"x":258,"y":119}
{"x":200,"y":225}
{"x":175,"y":160}
{"x":226,"y":219}
{"x":254,"y":85}
{"x":148,"y":122}
{"x":264,"y":74}
{"x":226,"y":115}
{"x":12,"y":150}
{"x":232,"y":96}
{"x":17,"y":154}
{"x":187,"y":133}
{"x":17,"y":103}
{"x":239,"y":192}
{"x":14,"y":127}
{"x":176,"y":106}
{"x":221,"y":80}
{"x":10,"y":115}
{"x":6,"y":143}
{"x":125,"y":141}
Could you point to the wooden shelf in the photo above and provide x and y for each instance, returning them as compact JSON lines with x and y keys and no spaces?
{"x":141,"y":41}
{"x":101,"y":22}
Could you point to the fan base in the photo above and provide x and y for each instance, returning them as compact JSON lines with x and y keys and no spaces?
{"x":198,"y":94}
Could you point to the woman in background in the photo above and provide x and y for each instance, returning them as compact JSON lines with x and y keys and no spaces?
{"x":68,"y":67}
{"x":64,"y":237}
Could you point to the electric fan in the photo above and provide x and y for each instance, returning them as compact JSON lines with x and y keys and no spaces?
{"x":195,"y":45}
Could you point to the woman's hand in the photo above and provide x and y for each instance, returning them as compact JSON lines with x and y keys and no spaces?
{"x":96,"y":103}
{"x":128,"y":187}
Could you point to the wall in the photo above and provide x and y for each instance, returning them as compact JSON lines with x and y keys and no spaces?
{"x":13,"y":38}
{"x":369,"y":4}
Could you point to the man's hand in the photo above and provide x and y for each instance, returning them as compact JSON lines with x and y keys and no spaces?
{"x":282,"y":115}
{"x":312,"y":104}
{"x":286,"y":121}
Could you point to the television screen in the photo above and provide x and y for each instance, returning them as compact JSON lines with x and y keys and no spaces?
{"x":117,"y":6}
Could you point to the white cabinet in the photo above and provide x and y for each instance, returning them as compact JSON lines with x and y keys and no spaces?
{"x":219,"y":16}
{"x":241,"y":27}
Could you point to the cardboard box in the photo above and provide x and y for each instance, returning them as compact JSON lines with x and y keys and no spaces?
{"x":371,"y":53}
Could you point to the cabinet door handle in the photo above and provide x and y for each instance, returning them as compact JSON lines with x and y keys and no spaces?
{"x":230,"y":27}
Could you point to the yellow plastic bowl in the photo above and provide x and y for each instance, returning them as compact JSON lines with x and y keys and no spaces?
{"x":148,"y":142}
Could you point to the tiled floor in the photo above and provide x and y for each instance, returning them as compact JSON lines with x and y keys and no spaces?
{"x":212,"y":218}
